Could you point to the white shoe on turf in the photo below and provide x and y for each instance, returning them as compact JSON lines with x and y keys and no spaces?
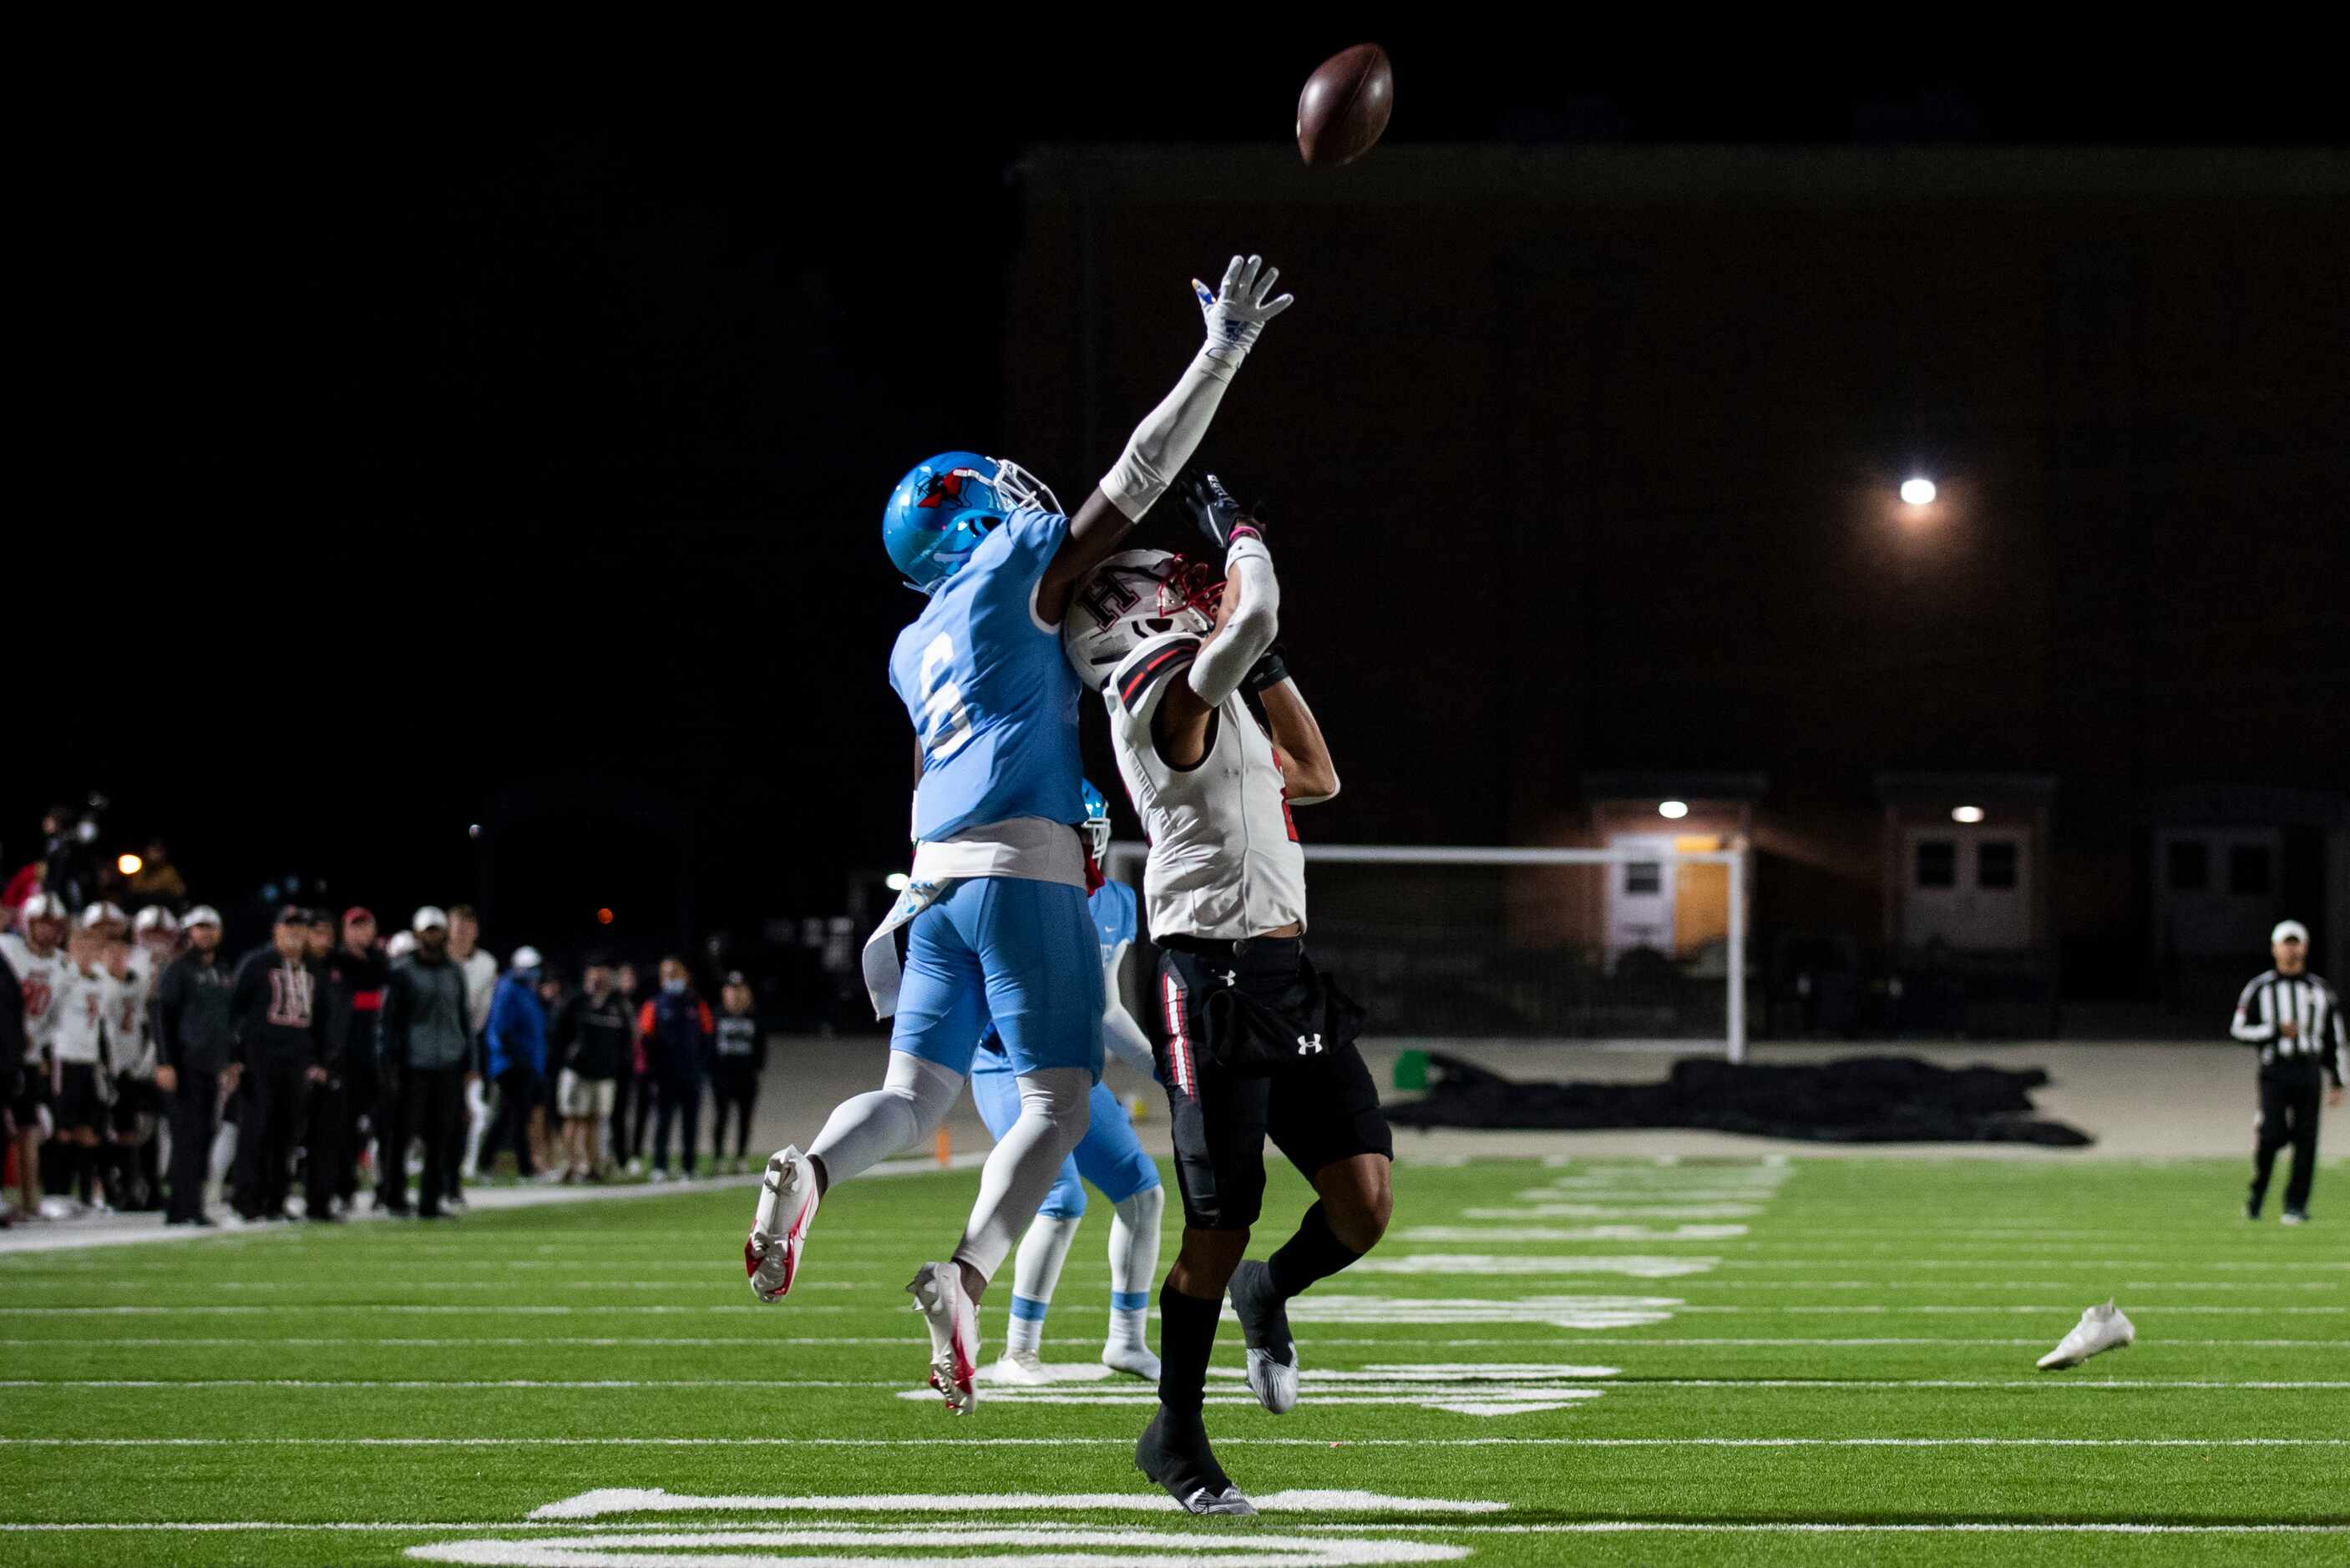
{"x":787,"y":1200}
{"x":1135,"y":1360}
{"x":2101,"y":1328}
{"x":1265,"y":1323}
{"x":2294,"y":1217}
{"x":1023,"y":1368}
{"x":937,"y":1290}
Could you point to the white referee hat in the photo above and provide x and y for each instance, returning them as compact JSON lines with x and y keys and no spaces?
{"x":2288,"y":931}
{"x":427,"y":918}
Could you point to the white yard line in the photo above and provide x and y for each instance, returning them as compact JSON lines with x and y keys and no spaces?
{"x":1837,"y":1527}
{"x":1463,"y":1377}
{"x":1387,"y":1342}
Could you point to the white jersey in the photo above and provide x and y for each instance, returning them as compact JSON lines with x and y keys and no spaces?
{"x":130,"y":1033}
{"x":44,"y":982}
{"x":79,"y":1033}
{"x":1224,"y":858}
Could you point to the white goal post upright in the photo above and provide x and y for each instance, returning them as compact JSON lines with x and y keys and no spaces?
{"x":1125,"y":859}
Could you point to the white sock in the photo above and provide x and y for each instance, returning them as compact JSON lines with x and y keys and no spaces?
{"x":866,"y":1129}
{"x":1033,"y":1274}
{"x":1133,"y":1259}
{"x":1026,"y":1163}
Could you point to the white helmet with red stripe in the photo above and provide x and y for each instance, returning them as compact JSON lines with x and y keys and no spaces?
{"x":1131,"y":598}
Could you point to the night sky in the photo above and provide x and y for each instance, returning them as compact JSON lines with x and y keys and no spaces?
{"x":487,"y":453}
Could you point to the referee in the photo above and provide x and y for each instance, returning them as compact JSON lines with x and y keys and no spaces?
{"x":2296,"y":1020}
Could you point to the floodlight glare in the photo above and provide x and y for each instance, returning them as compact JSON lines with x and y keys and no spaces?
{"x":1918,"y":492}
{"x":1966,"y":814}
{"x":1674,"y":809}
{"x":128,"y":865}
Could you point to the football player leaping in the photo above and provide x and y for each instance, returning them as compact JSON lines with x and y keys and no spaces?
{"x":997,"y":926}
{"x":1258,"y":1044}
{"x":1109,"y":1156}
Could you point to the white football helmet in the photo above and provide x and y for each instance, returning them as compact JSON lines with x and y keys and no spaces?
{"x":1131,"y":598}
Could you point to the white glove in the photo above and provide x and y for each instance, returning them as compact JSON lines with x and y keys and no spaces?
{"x":1238,"y":310}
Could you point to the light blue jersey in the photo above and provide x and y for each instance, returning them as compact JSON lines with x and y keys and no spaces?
{"x":992,"y":699}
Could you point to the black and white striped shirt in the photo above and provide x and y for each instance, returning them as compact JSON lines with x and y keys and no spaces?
{"x":2308,"y":1003}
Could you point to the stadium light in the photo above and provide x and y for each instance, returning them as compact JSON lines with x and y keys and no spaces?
{"x":896,"y":882}
{"x":1966,"y":814}
{"x":129,"y":865}
{"x":1918,"y":492}
{"x":1673,"y":810}
{"x":603,"y":916}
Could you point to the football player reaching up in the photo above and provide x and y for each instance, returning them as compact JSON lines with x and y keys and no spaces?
{"x":1109,"y":1156}
{"x":997,"y":929}
{"x":1258,"y":1044}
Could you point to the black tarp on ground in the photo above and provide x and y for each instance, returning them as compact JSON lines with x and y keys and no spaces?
{"x":1861,"y":1099}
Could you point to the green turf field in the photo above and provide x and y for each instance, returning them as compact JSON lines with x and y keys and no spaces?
{"x":1614,"y":1362}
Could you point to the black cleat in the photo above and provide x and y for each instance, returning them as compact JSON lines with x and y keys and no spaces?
{"x":1176,"y":1456}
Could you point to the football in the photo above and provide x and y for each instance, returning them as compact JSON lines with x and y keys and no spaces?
{"x":1344,"y":105}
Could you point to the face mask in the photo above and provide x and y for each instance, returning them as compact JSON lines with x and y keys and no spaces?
{"x":674,"y":987}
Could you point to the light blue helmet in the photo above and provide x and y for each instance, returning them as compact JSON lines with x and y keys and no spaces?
{"x":946,"y":505}
{"x":1096,"y":821}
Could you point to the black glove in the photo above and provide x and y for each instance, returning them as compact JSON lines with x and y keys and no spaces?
{"x":1213,"y":508}
{"x":1270,"y":670}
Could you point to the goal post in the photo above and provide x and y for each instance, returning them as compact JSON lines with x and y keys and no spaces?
{"x":1462,"y":944}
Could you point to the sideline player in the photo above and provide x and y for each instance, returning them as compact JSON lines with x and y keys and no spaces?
{"x":995,"y":911}
{"x":44,"y":975}
{"x":1109,"y":1156}
{"x":1257,"y":1044}
{"x":81,"y":1088}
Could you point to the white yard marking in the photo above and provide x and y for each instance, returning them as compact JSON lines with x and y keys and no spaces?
{"x":1633,"y":1266}
{"x":604,"y":1502}
{"x":1837,"y":1527}
{"x":1643,"y":1212}
{"x":1055,"y":1546}
{"x":1575,"y":1233}
{"x":1557,"y":1311}
{"x":1461,"y":1388}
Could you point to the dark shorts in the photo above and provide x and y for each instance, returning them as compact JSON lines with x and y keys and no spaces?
{"x":134,"y":1098}
{"x":75,"y":1100}
{"x":1316,"y":1111}
{"x":32,"y":1094}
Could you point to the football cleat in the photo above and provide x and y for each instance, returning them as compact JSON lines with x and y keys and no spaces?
{"x":1024,"y":1368}
{"x":2294,"y":1217}
{"x":1264,"y":1325}
{"x":1134,"y":1360}
{"x":1176,"y":1456}
{"x":938,"y":1293}
{"x":2101,"y":1328}
{"x":787,"y":1201}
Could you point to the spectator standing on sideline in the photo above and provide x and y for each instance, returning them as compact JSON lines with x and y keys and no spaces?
{"x":594,"y":1043}
{"x":44,"y":976}
{"x":2296,"y":1020}
{"x":517,"y":1037}
{"x":354,"y":973}
{"x":195,"y":1058}
{"x":324,"y":1151}
{"x":130,"y":975}
{"x":633,"y":1098}
{"x":280,"y":1042}
{"x":741,"y":1056}
{"x":676,"y":1026}
{"x":480,"y":968}
{"x":425,"y":1053}
{"x":546,"y":1117}
{"x":12,"y":1064}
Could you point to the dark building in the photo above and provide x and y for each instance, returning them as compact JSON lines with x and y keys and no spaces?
{"x":1584,"y":462}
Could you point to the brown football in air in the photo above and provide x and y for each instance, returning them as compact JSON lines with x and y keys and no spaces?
{"x":1344,"y":105}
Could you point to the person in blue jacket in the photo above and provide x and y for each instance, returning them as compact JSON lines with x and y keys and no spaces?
{"x":516,"y":1038}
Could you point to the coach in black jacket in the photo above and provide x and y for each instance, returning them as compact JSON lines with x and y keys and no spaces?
{"x":280,"y":1021}
{"x":424,"y":1054}
{"x":195,"y":1050}
{"x":2296,"y":1020}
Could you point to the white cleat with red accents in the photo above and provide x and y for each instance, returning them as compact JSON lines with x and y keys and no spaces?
{"x":937,"y":1290}
{"x":787,"y":1200}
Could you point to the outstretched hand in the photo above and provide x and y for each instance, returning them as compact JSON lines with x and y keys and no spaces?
{"x":1211,"y":508}
{"x":1239,"y":307}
